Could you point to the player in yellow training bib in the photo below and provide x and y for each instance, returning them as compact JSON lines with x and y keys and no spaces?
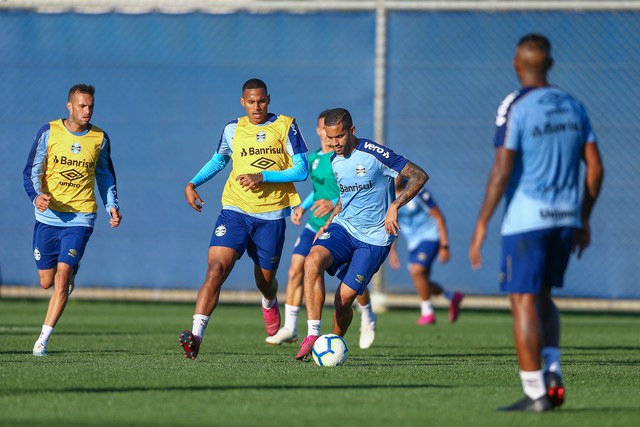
{"x":67,"y":159}
{"x":269,"y":155}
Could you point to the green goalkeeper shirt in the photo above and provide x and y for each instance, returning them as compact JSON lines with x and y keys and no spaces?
{"x":324,"y":184}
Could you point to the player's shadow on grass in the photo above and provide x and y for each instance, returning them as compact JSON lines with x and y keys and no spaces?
{"x":240,"y":388}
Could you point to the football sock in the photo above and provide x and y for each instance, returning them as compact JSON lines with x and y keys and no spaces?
{"x":367,"y":314}
{"x":45,"y":334}
{"x":313,"y":327}
{"x":533,"y":384}
{"x":551,"y":357}
{"x":268,"y":304}
{"x":426,"y":307}
{"x":200,"y":322}
{"x":291,"y":317}
{"x":447,"y":293}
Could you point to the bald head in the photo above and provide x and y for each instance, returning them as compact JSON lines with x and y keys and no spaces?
{"x":533,"y":59}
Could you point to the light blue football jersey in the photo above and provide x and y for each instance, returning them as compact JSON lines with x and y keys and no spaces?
{"x":548,"y":129}
{"x":365,"y":179}
{"x":416,"y":222}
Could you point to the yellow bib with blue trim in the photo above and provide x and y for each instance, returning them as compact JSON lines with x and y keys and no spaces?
{"x":257,"y":148}
{"x":69,"y":174}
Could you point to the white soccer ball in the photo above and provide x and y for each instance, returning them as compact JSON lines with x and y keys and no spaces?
{"x":330,"y":350}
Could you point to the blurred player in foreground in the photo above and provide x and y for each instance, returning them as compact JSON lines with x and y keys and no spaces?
{"x":356,"y":239}
{"x":269,"y":154}
{"x":422,"y":224}
{"x":68,"y":157}
{"x":321,"y":202}
{"x":543,"y":135}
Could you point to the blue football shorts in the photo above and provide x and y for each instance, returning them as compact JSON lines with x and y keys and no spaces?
{"x":535,"y":260}
{"x":262,"y":239}
{"x":354,"y":262}
{"x":52,"y":245}
{"x":425,"y":253}
{"x":304,"y":242}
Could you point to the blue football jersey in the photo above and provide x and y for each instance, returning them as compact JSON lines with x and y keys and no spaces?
{"x":548,"y":129}
{"x":416,"y":223}
{"x":365,"y":179}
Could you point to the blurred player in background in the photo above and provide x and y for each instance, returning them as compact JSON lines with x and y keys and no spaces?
{"x":68,"y":157}
{"x":422,"y":224}
{"x":543,"y":134}
{"x":357,"y":237}
{"x":269,"y":154}
{"x":321,"y":202}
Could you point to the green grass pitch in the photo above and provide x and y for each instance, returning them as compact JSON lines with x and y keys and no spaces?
{"x":119,"y":364}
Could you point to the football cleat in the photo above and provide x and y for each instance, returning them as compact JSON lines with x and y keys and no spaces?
{"x":367,"y":334}
{"x":40,"y":350}
{"x":555,"y":388}
{"x":429,"y":319}
{"x":306,"y":347}
{"x":271,"y":319}
{"x":283,"y":335}
{"x":190,"y":343}
{"x":528,"y":404}
{"x":454,"y":306}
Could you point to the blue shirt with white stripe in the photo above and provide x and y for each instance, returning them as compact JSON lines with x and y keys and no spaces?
{"x":365,"y":179}
{"x":548,"y":129}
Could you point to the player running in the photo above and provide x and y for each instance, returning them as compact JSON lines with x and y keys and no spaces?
{"x":422,"y":224}
{"x":269,"y":154}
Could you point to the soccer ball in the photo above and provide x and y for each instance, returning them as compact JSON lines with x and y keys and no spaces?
{"x":330,"y":350}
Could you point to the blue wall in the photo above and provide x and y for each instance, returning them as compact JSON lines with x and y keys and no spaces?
{"x":167,"y":84}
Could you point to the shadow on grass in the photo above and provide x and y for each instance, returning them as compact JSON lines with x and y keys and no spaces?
{"x":228,"y":388}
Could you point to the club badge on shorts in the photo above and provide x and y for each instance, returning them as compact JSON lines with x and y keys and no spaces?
{"x":221,"y":230}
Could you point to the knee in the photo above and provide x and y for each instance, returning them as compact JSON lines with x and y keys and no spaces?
{"x":416,"y":270}
{"x":312,"y":263}
{"x":215,"y":273}
{"x":295,"y":275}
{"x":46,"y":283}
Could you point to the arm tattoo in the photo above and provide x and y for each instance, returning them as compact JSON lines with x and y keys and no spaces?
{"x":416,"y":178}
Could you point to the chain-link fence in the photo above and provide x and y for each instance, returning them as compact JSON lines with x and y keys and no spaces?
{"x":167,"y":84}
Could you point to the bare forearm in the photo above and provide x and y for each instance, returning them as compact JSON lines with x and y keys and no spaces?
{"x":416,"y":178}
{"x":336,"y":210}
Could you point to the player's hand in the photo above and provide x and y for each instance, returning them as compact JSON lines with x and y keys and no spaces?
{"x":477,"y":239}
{"x":115,"y":217}
{"x":582,"y":239}
{"x":249,"y":180}
{"x":322,"y":207}
{"x":394,"y":260}
{"x":391,"y":225}
{"x":322,"y":230}
{"x":444,"y":254}
{"x":296,"y":216}
{"x":193,"y":198}
{"x":42,"y":202}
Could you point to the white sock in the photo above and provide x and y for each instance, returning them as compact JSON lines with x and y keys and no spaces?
{"x":200,"y":322}
{"x":426,"y":307}
{"x":291,"y":318}
{"x":367,"y":314}
{"x":313,"y":327}
{"x":268,"y":304}
{"x":551,"y":357}
{"x":44,"y":335}
{"x":533,"y":384}
{"x":447,"y":293}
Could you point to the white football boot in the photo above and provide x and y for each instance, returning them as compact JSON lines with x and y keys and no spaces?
{"x":367,"y":333}
{"x":40,"y":350}
{"x":283,"y":335}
